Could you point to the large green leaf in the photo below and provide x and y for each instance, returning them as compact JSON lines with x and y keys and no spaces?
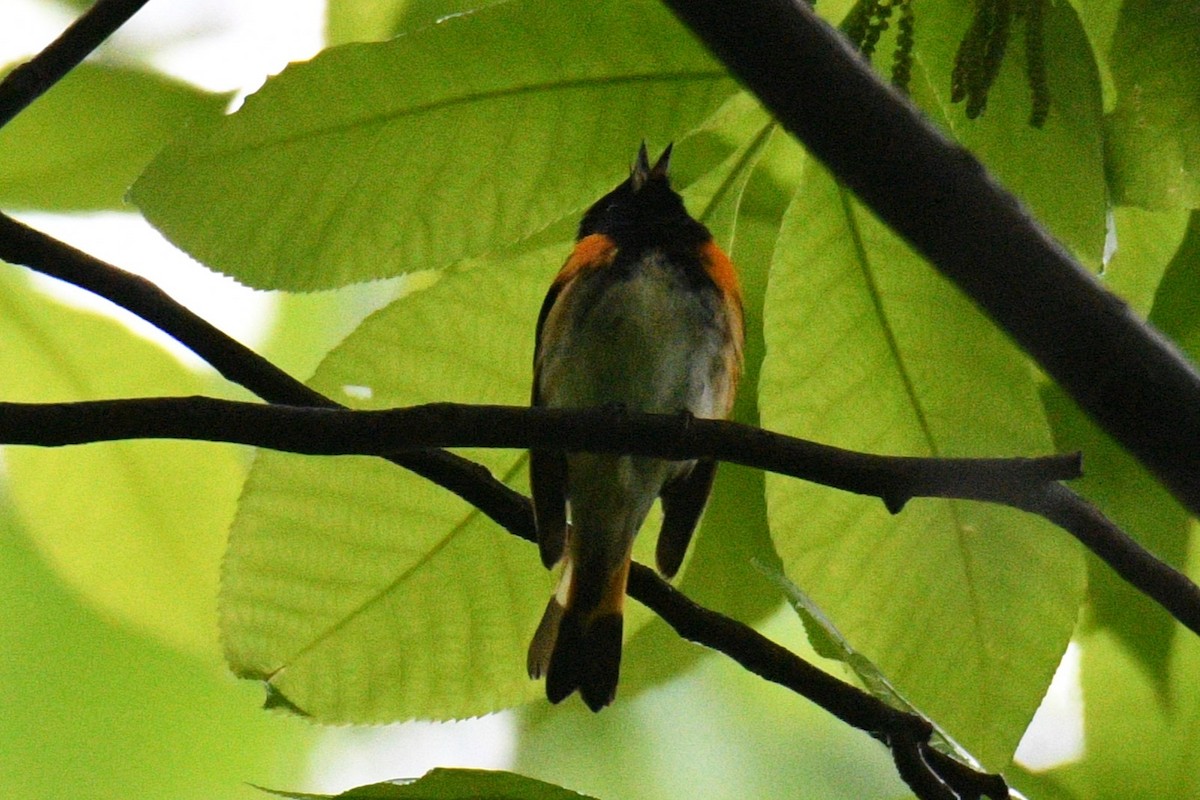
{"x":1057,"y":170}
{"x":1153,"y":135}
{"x":377,"y":159}
{"x":363,"y":593}
{"x":137,"y":527}
{"x":82,"y":144}
{"x":966,"y":607}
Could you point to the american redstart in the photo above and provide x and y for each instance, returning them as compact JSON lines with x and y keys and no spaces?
{"x":646,"y":314}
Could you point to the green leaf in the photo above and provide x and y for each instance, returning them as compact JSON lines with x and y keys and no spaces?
{"x":966,"y":607}
{"x":1057,"y":170}
{"x":93,"y":708}
{"x":82,"y":145}
{"x":377,"y":159}
{"x":1153,"y":135}
{"x":362,"y":592}
{"x":136,"y":527}
{"x":375,"y":20}
{"x":1146,"y":241}
{"x":456,"y":784}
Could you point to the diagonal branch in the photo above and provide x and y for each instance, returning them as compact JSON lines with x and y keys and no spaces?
{"x":32,"y":79}
{"x":1126,"y":375}
{"x":21,"y":244}
{"x":930,"y":774}
{"x":1139,"y":568}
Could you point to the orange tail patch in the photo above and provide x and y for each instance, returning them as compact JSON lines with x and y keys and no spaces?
{"x":578,"y":643}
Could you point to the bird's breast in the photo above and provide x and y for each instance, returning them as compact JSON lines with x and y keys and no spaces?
{"x":648,"y":336}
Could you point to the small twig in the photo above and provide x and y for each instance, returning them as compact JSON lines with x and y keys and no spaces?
{"x":32,"y":79}
{"x":324,"y":431}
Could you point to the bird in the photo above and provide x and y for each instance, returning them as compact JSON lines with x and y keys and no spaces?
{"x":645,"y":314}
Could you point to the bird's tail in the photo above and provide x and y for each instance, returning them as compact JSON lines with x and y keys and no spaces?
{"x":578,"y":643}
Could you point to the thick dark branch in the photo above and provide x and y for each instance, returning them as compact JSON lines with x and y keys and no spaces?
{"x":322,"y":431}
{"x":30,"y":81}
{"x":1133,"y":382}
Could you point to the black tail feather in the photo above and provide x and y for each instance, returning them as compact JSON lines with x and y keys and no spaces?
{"x":587,"y":657}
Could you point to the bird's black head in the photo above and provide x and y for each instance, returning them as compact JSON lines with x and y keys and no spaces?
{"x":644,"y":211}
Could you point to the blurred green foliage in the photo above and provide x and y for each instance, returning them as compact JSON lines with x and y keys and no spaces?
{"x":455,"y":144}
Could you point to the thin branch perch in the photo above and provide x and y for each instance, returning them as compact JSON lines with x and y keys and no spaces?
{"x":1029,"y":484}
{"x":323,"y":431}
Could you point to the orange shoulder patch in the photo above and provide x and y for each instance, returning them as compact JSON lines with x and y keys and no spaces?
{"x":721,"y":270}
{"x":724,"y":275}
{"x":591,"y":252}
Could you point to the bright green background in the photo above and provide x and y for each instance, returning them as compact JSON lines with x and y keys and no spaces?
{"x":459,"y":155}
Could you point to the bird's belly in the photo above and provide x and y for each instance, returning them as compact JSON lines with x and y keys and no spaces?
{"x":646,"y":343}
